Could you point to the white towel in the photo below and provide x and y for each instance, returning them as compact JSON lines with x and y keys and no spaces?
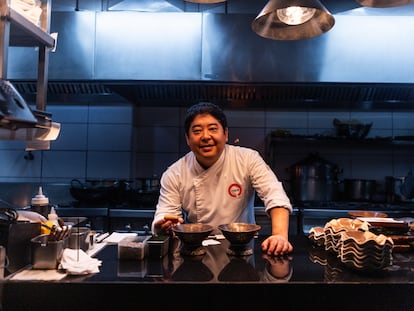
{"x":76,"y":261}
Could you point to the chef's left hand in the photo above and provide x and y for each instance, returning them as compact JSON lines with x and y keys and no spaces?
{"x":276,"y":245}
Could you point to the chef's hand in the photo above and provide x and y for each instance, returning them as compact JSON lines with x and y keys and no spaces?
{"x":276,"y":245}
{"x":164,"y":226}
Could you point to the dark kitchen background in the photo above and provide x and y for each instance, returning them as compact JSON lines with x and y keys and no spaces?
{"x":124,"y":73}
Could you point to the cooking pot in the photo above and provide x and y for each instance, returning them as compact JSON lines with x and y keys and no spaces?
{"x":314,"y":179}
{"x":359,"y":189}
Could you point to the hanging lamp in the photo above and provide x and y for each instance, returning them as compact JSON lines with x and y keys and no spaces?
{"x":292,"y":20}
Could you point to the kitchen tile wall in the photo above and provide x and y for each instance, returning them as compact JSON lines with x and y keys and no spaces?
{"x":120,"y":141}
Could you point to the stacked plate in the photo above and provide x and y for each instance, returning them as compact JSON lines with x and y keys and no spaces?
{"x":317,"y":236}
{"x":335,"y":227}
{"x":365,"y":250}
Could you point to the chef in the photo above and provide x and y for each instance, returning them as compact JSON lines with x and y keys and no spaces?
{"x":215,"y":183}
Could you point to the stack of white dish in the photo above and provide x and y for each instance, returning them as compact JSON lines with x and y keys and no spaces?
{"x":351,"y":241}
{"x":365,"y":250}
{"x":334,"y":228}
{"x":317,"y":236}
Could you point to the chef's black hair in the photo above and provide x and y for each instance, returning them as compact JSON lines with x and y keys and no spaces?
{"x":204,"y":108}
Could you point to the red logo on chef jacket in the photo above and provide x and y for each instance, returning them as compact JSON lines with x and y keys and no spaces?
{"x":235,"y":190}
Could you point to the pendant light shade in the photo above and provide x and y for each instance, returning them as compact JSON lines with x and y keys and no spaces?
{"x":206,"y":1}
{"x":384,"y":3}
{"x":293,"y":20}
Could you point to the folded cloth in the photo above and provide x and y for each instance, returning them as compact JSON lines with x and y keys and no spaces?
{"x":76,"y":261}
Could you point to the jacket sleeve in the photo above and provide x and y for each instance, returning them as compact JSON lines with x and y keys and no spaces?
{"x":268,"y":187}
{"x":169,"y":201}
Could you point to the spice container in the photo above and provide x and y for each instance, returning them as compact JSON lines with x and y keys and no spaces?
{"x":133,"y":248}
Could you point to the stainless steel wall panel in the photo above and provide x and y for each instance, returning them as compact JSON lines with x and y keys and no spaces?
{"x":22,"y":63}
{"x":74,"y":56}
{"x":233,"y":52}
{"x":357,"y":49}
{"x":148,"y":46}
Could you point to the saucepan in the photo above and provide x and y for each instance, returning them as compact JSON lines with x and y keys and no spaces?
{"x":359,"y":189}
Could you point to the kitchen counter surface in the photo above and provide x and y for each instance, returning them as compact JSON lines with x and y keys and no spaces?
{"x":310,"y":277}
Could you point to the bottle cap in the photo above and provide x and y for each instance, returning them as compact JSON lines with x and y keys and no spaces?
{"x":40,"y":199}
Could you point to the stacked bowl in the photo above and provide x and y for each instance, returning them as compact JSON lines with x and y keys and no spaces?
{"x":351,"y":241}
{"x":334,"y":228}
{"x":365,"y":250}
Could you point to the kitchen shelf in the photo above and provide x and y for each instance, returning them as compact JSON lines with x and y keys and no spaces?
{"x":16,"y":30}
{"x":25,"y":33}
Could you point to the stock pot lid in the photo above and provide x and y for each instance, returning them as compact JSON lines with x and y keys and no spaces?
{"x":313,"y":159}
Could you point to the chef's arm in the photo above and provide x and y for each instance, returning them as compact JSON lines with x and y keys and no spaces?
{"x":280,"y":221}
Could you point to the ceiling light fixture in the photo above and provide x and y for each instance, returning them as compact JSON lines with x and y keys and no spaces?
{"x":384,"y":3}
{"x":293,"y":20}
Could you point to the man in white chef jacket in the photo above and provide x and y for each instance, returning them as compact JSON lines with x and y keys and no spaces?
{"x":215,"y":182}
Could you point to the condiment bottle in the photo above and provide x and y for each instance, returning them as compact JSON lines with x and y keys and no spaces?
{"x":52,"y":217}
{"x":40,"y":203}
{"x":52,"y":221}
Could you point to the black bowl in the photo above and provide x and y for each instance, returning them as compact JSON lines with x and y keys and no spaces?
{"x":238,"y":232}
{"x":192,"y":234}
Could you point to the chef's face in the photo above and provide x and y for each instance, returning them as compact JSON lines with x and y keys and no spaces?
{"x":207,"y":139}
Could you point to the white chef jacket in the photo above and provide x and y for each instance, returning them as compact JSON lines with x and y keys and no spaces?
{"x":221,"y":194}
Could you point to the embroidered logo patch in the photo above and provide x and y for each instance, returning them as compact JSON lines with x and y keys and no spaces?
{"x":235,"y":190}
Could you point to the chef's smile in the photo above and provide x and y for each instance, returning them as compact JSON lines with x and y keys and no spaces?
{"x":207,"y":139}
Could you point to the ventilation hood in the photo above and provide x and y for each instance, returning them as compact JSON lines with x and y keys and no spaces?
{"x":364,"y":96}
{"x":204,"y":55}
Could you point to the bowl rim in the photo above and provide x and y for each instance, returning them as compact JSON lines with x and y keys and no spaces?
{"x":255,"y":227}
{"x":208,"y":228}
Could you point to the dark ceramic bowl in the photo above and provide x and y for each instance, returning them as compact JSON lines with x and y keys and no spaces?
{"x":192,"y":234}
{"x":239,"y":232}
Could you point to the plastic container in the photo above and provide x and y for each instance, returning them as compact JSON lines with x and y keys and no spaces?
{"x":40,"y":203}
{"x":133,"y":248}
{"x":46,"y":254}
{"x":53,"y":217}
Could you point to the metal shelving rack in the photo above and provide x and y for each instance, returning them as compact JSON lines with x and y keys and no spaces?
{"x":16,"y":30}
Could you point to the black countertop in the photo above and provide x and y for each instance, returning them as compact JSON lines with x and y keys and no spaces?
{"x":310,"y":277}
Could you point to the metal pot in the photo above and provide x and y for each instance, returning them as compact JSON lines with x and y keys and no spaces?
{"x":314,"y":179}
{"x":359,"y":189}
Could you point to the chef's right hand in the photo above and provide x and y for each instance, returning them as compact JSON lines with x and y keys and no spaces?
{"x":164,"y":226}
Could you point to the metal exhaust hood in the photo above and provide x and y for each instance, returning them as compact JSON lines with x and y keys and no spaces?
{"x":366,"y":96}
